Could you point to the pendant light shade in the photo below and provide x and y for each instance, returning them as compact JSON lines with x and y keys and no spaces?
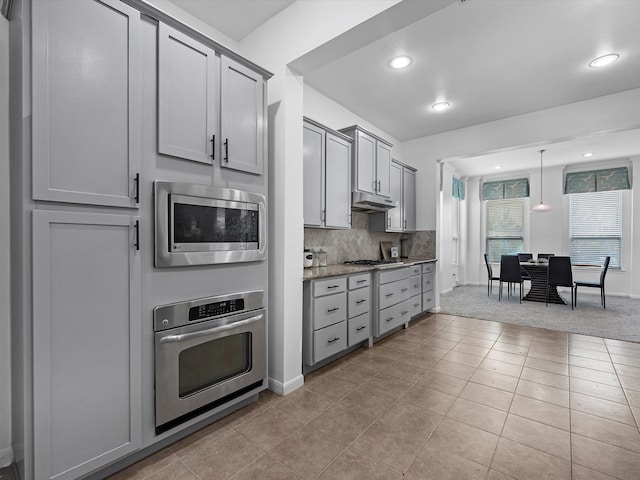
{"x":541,"y":207}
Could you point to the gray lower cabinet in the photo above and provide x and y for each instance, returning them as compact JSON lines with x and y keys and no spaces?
{"x":336,"y":315}
{"x":416,"y":290}
{"x":428,"y":286}
{"x":393,"y":306}
{"x":86,"y":102}
{"x":86,"y":342}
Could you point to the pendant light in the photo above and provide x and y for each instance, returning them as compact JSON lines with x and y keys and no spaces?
{"x":541,"y":207}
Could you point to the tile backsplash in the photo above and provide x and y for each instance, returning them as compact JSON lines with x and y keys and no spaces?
{"x":359,"y":243}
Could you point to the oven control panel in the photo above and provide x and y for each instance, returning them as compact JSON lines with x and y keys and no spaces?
{"x":215,"y":309}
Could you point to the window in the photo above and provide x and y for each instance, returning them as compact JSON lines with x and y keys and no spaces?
{"x":595,"y":227}
{"x":504,"y":227}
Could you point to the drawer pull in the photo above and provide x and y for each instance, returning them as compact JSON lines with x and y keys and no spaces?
{"x":404,"y":313}
{"x":333,"y":340}
{"x":332,"y":286}
{"x":416,"y":304}
{"x":361,"y":328}
{"x":334,"y":309}
{"x":389,"y":319}
{"x":389,"y":295}
{"x":404,"y":289}
{"x":361,"y":281}
{"x":361,"y":301}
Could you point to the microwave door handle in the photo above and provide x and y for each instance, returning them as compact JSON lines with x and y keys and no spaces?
{"x":210,"y":331}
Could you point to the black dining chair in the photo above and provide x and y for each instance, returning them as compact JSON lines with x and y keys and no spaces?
{"x":599,"y":284}
{"x":490,"y":276}
{"x":525,"y":257}
{"x":545,"y":255}
{"x":559,"y":274}
{"x":510,"y":273}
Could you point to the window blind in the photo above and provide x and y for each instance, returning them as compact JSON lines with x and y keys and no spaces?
{"x":504,"y":228}
{"x":595,"y":227}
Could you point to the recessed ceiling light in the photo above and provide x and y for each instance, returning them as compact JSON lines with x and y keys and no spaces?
{"x":438,"y":107}
{"x":588,"y":154}
{"x":498,"y":167}
{"x":400,"y":62}
{"x":604,"y":60}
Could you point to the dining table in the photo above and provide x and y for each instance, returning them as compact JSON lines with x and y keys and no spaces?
{"x":538,"y":292}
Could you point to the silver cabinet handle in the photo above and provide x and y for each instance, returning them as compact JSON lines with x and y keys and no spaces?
{"x":405,"y":289}
{"x":332,"y":286}
{"x":361,"y":281}
{"x":361,"y":328}
{"x":389,"y":319}
{"x":404,"y":313}
{"x":379,"y":187}
{"x":210,"y":331}
{"x":333,"y":340}
{"x":334,"y":309}
{"x":361,"y":301}
{"x":389,"y":295}
{"x":375,"y":186}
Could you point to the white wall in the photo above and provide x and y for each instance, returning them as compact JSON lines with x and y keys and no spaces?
{"x":6,"y":455}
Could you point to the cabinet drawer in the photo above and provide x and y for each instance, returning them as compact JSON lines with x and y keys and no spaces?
{"x":394,"y":274}
{"x":392,"y":293}
{"x":428,"y":301}
{"x":329,"y":341}
{"x":427,"y":282}
{"x":359,"y":302}
{"x":359,"y":281}
{"x":359,"y":329}
{"x":428,"y":267}
{"x":416,"y":305}
{"x":416,"y":269}
{"x":416,"y":285}
{"x":329,"y":286}
{"x":394,"y":316}
{"x":329,"y":310}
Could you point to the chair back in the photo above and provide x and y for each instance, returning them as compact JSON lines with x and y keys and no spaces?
{"x":605,"y":267}
{"x":523,"y":257}
{"x":559,"y":273}
{"x":510,"y":269}
{"x":545,"y":255}
{"x":489,"y":268}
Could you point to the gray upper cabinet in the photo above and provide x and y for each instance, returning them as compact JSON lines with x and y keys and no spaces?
{"x":408,"y":199}
{"x":371,"y":162}
{"x":188,"y":85}
{"x":327,"y":178}
{"x":86,"y":102}
{"x":394,"y":215}
{"x":243,"y":122}
{"x":403,"y":188}
{"x":86,"y":342}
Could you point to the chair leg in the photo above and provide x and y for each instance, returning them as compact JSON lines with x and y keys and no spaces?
{"x":546,"y":303}
{"x":520,"y":291}
{"x":571,"y":298}
{"x":604,"y":298}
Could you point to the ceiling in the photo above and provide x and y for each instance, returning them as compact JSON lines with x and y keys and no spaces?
{"x":491,"y":59}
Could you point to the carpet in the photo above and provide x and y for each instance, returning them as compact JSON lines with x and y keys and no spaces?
{"x":620,"y":320}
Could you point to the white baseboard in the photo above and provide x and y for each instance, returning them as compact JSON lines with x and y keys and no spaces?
{"x":286,"y":388}
{"x":6,"y":457}
{"x":448,"y":290}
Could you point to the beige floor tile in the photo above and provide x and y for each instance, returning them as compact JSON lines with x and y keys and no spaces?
{"x":269,"y":428}
{"x":369,"y":399}
{"x":546,"y":438}
{"x":495,"y":475}
{"x":405,"y":417}
{"x":583,"y":473}
{"x":626,"y":350}
{"x":628,"y":371}
{"x":625,"y":360}
{"x":551,"y":357}
{"x":308,"y":450}
{"x":542,"y":412}
{"x":478,"y":341}
{"x":621,"y":343}
{"x":147,"y":466}
{"x":266,"y":468}
{"x":196,"y":440}
{"x":476,"y":415}
{"x":508,"y":347}
{"x":630,"y":383}
{"x":489,"y":396}
{"x":605,"y":366}
{"x":503,"y":368}
{"x":463,"y":358}
{"x":438,"y":463}
{"x":347,"y":421}
{"x":443,"y":383}
{"x":600,"y":390}
{"x":304,"y":405}
{"x":607,"y":431}
{"x":633,"y":397}
{"x":578,"y":337}
{"x":602,"y":408}
{"x":441,"y":343}
{"x":435,"y":352}
{"x":547,"y":366}
{"x":525,"y":463}
{"x":354,"y":373}
{"x":594,"y":375}
{"x":588,"y":345}
{"x":545,"y":378}
{"x":223,"y":457}
{"x":544,"y":393}
{"x":428,"y":399}
{"x":330,"y":386}
{"x":454,"y":369}
{"x":355,"y":465}
{"x":547,"y":348}
{"x":605,"y":458}
{"x":495,"y":380}
{"x":417,"y":359}
{"x":471,"y":349}
{"x":397,"y":449}
{"x":175,"y":471}
{"x":389,"y":385}
{"x":464,"y":440}
{"x":507,"y":357}
{"x":408,"y":372}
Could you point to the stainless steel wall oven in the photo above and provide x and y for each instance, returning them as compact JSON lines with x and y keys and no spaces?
{"x":200,"y":224}
{"x":207,"y":352}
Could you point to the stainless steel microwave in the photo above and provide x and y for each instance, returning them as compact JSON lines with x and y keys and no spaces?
{"x":200,"y":224}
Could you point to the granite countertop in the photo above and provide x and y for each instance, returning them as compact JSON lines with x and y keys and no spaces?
{"x":335,"y":270}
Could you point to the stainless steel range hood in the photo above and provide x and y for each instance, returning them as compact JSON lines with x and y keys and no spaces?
{"x":370,"y":203}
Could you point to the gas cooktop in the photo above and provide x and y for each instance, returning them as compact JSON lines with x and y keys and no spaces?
{"x":370,"y":262}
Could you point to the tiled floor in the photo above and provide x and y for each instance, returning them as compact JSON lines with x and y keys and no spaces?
{"x":448,"y":398}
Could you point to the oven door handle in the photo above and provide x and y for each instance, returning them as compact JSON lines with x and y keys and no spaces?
{"x":210,"y":331}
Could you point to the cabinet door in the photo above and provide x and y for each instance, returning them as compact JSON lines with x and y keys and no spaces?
{"x":383,"y":169}
{"x":394,"y":215}
{"x":187,"y":96}
{"x":365,"y":165}
{"x":314,"y":174}
{"x":86,"y":342}
{"x":338,"y":183}
{"x":86,"y":102}
{"x":409,"y":200}
{"x":243,"y":121}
